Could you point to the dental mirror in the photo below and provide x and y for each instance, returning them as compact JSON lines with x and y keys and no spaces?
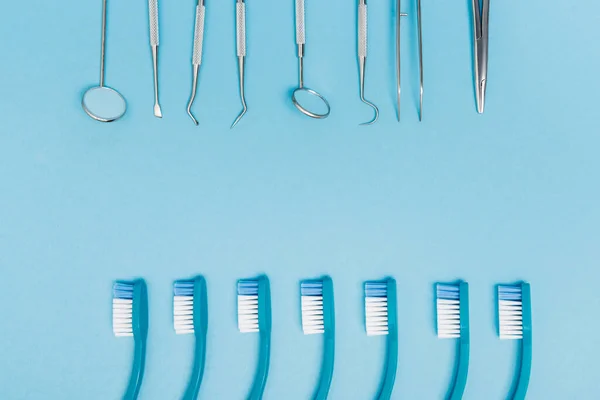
{"x":101,"y":102}
{"x":307,"y":101}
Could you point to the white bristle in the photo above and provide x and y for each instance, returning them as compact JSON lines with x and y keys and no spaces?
{"x":248,"y":313}
{"x":183,"y":314}
{"x":510,"y":312}
{"x":312,"y":315}
{"x":448,"y":311}
{"x":122,"y":317}
{"x":376,"y":314}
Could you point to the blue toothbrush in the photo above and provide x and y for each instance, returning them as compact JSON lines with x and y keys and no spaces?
{"x":514,"y":323}
{"x":130,"y":318}
{"x":190,"y":316}
{"x":254,"y":315}
{"x":318,"y":317}
{"x":381,"y":318}
{"x":453,"y":323}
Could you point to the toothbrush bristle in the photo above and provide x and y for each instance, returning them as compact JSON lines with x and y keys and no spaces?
{"x":448,"y":311}
{"x":376,"y":308}
{"x":183,"y":307}
{"x":122,"y":309}
{"x":248,"y":306}
{"x":312,"y":307}
{"x":510,"y":312}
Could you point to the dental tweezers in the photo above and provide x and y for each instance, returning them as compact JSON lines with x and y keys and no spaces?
{"x":399,"y":15}
{"x":481,"y":18}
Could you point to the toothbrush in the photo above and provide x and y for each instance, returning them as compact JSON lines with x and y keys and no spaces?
{"x":130,"y":318}
{"x":190,"y":316}
{"x":514,"y":323}
{"x":318,"y":317}
{"x":453,"y":323}
{"x":381,"y":319}
{"x":254,"y":315}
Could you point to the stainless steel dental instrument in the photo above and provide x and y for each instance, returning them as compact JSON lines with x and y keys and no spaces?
{"x":101,"y":102}
{"x":420,"y":39}
{"x":481,"y":18}
{"x":240,"y":27}
{"x":153,"y":13}
{"x":196,"y":54}
{"x":300,"y":41}
{"x":399,"y":15}
{"x":362,"y":56}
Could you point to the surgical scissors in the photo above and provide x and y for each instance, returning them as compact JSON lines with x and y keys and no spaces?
{"x":481,"y":18}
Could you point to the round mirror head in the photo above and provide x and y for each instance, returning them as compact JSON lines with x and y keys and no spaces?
{"x":310,"y":103}
{"x":104,"y":104}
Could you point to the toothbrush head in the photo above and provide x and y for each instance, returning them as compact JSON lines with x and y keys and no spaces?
{"x":248,"y":318}
{"x":448,"y":311}
{"x":183,"y":307}
{"x":312,"y":307}
{"x":130,"y":309}
{"x":510,"y":312}
{"x":376,"y":308}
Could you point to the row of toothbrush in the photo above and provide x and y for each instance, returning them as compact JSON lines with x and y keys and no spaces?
{"x":130,"y":318}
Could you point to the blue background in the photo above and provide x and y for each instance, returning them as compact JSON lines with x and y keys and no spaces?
{"x":509,"y":195}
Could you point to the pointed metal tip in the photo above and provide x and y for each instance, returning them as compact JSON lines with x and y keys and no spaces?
{"x":481,"y":96}
{"x":192,"y":117}
{"x":239,"y":117}
{"x":157,"y":111}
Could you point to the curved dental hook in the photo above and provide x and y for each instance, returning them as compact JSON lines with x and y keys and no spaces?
{"x":374,"y":107}
{"x":193,"y":95}
{"x":362,"y":56}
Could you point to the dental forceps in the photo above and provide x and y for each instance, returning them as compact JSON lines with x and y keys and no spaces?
{"x":481,"y":18}
{"x":399,"y":15}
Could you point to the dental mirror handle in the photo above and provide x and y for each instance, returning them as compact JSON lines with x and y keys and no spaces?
{"x":153,"y":14}
{"x":103,"y":43}
{"x":300,"y":40}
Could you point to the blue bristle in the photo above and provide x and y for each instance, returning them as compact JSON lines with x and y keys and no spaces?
{"x":123,"y":290}
{"x":447,"y":292}
{"x":506,"y":292}
{"x":311,"y":288}
{"x":247,"y":287}
{"x":376,"y":289}
{"x":183,"y":288}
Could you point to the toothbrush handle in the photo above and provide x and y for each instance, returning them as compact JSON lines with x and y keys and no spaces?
{"x":326,"y":368}
{"x":137,"y":371}
{"x":462,"y":369}
{"x":153,"y":12}
{"x":526,"y":345}
{"x":328,"y":342}
{"x":264,"y":357}
{"x":191,"y":393}
{"x":391,"y":363}
{"x":198,"y":35}
{"x":262,"y":371}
